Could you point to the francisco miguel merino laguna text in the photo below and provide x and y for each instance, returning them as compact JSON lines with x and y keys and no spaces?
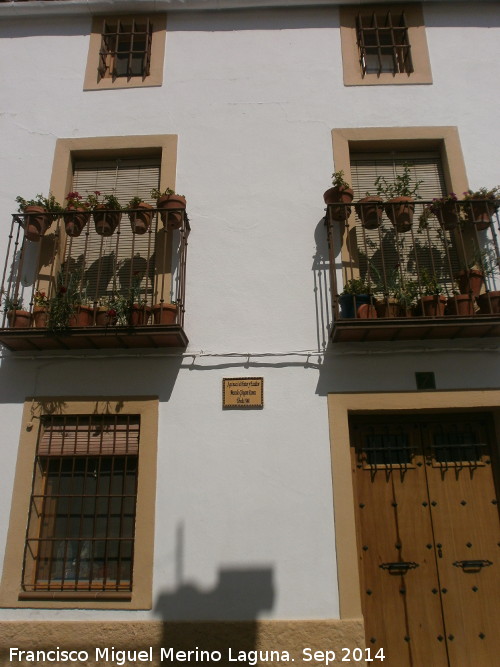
{"x":123,"y":656}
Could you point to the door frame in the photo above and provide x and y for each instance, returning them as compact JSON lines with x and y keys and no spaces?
{"x":340,"y":407}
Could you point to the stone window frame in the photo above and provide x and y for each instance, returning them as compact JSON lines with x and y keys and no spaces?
{"x":93,"y":81}
{"x":141,"y":596}
{"x":353,"y":75}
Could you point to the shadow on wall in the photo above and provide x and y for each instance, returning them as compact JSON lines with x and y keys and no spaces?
{"x":221,"y":620}
{"x":321,"y":285}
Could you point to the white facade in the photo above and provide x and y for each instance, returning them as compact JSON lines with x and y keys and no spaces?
{"x":253,"y":95}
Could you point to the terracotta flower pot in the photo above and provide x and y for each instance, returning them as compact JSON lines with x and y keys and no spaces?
{"x":36,"y":222}
{"x":139,"y":315}
{"x":339,"y":195}
{"x":140,"y":221}
{"x":106,"y":220}
{"x":470,"y":281}
{"x":19,"y":319}
{"x":460,"y":304}
{"x":75,"y":219}
{"x":105,"y":317}
{"x":369,"y":210}
{"x":40,"y":317}
{"x":83,"y":316}
{"x":387,"y":308}
{"x":433,"y":305}
{"x":480,"y":213}
{"x":448,"y":215}
{"x":366,"y":312}
{"x":172,"y":207}
{"x":164,"y":313}
{"x":400,"y":212}
{"x":489,"y":303}
{"x":350,"y":304}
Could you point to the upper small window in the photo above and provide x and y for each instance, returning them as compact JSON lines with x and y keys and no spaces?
{"x":125,"y":48}
{"x":126,"y":52}
{"x":383,"y":43}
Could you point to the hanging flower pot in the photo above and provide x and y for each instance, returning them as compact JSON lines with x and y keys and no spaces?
{"x":470,"y":281}
{"x":489,"y":303}
{"x":82,"y":316}
{"x":369,"y":210}
{"x":171,"y":208}
{"x":36,"y":222}
{"x":139,"y":314}
{"x":140,"y":221}
{"x":448,"y":216}
{"x":165,"y":313}
{"x":75,"y":218}
{"x":461,"y":304}
{"x":400,"y":212}
{"x":106,"y":220}
{"x":481,"y":206}
{"x":432,"y":305}
{"x":19,"y":319}
{"x":339,"y":194}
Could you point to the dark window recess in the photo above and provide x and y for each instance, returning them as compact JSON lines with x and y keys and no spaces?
{"x":81,"y":526}
{"x":383,"y":43}
{"x":425,"y":381}
{"x":458,"y":447}
{"x":387,"y":449}
{"x":125,"y":49}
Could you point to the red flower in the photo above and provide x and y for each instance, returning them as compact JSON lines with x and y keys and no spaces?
{"x":63,"y":290}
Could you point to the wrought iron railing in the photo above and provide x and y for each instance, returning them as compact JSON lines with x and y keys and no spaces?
{"x":442,"y":264}
{"x":116,"y":279}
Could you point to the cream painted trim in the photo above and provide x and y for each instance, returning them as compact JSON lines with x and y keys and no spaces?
{"x":445,"y":139}
{"x":353,"y":75}
{"x":34,"y":408}
{"x":339,"y":408}
{"x":89,"y":148}
{"x":155,"y":77}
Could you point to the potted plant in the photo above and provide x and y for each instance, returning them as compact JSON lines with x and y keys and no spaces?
{"x":38,"y":214}
{"x":481,"y":205}
{"x":432,"y":302}
{"x":140,"y":215}
{"x":460,"y":304}
{"x":369,"y":210}
{"x":105,"y":313}
{"x":340,"y":193}
{"x":76,"y":214}
{"x":400,"y":195}
{"x":445,"y":209}
{"x":171,"y":205}
{"x":131,"y":306}
{"x":107,"y":212}
{"x":40,"y":309}
{"x":69,"y":307}
{"x":165,"y":313}
{"x":356,"y":300}
{"x":17,"y":317}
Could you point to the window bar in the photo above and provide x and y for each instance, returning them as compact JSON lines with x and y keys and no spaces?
{"x":448,"y":260}
{"x":147,"y":53}
{"x":103,"y":53}
{"x":379,"y":46}
{"x":361,"y":43}
{"x":148,"y":269}
{"x":408,"y":64}
{"x":384,"y":271}
{"x":130,"y":49}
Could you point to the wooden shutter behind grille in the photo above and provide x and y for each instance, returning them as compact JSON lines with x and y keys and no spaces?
{"x":83,"y":436}
{"x":125,"y":179}
{"x":427,"y":167}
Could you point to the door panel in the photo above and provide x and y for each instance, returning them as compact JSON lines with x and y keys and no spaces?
{"x":426,"y":520}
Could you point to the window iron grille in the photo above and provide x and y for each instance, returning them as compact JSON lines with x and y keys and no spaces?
{"x":383,"y":44}
{"x":80,"y":533}
{"x":125,"y":49}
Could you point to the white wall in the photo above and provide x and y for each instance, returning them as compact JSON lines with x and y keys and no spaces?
{"x":253,"y":97}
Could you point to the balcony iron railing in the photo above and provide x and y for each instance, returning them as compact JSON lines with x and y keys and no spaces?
{"x":436,"y":278}
{"x":92,"y":290}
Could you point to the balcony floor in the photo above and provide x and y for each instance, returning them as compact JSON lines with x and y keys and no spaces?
{"x":95,"y":338}
{"x":421,"y":328}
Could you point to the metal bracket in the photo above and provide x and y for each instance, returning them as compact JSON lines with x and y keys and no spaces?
{"x":472,"y":565}
{"x":400,"y":567}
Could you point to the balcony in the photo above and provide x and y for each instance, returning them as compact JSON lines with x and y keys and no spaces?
{"x":436,"y":279}
{"x":124,"y":289}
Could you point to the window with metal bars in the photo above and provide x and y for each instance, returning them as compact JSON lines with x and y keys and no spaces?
{"x":383,"y":43}
{"x":80,"y":534}
{"x":125,"y":48}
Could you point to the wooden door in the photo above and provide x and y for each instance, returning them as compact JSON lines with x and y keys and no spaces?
{"x":425,"y":492}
